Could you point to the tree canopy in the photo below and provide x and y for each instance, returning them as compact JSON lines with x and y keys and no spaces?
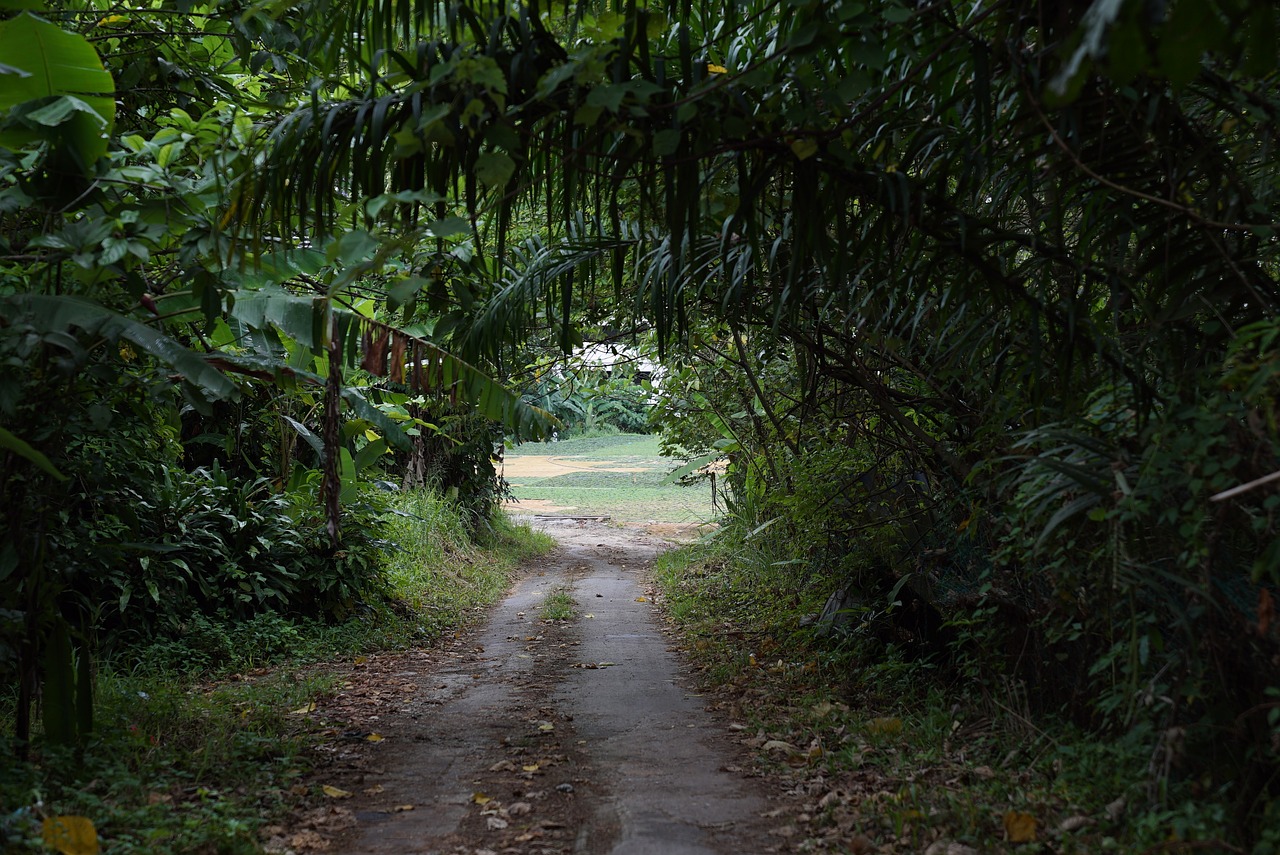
{"x":981,"y":296}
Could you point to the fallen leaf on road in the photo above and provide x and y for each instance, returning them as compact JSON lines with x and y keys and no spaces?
{"x":885,"y":726}
{"x":532,"y":768}
{"x":503,"y":766}
{"x":1075,"y":823}
{"x":373,"y":791}
{"x":949,"y":847}
{"x":402,"y":808}
{"x":335,"y":792}
{"x":70,"y":835}
{"x":642,"y":600}
{"x":496,"y":823}
{"x":480,"y":798}
{"x":374,"y":737}
{"x":519,"y":809}
{"x":1020,"y":827}
{"x":546,"y":726}
{"x":779,"y":745}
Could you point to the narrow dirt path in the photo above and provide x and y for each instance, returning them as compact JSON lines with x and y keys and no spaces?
{"x":532,"y":737}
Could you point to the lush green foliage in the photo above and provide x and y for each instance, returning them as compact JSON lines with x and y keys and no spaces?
{"x":184,"y":759}
{"x":976,"y":301}
{"x":849,"y":702}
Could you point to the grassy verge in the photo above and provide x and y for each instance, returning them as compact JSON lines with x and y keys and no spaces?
{"x":201,"y":740}
{"x":888,"y":752}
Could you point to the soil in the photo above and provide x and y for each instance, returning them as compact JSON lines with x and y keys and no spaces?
{"x":549,"y":466}
{"x":529,"y":736}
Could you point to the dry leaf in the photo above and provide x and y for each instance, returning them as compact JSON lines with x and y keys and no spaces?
{"x":949,"y":847}
{"x":885,"y":726}
{"x":519,"y":809}
{"x":1020,"y":827}
{"x":311,"y":707}
{"x":480,"y":798}
{"x":374,"y":790}
{"x":360,"y":660}
{"x":532,"y":768}
{"x":71,"y":835}
{"x":779,"y":745}
{"x":335,"y":792}
{"x":546,"y":726}
{"x":641,"y":600}
{"x":495,"y":823}
{"x":402,"y":808}
{"x":1075,"y":823}
{"x":374,"y":737}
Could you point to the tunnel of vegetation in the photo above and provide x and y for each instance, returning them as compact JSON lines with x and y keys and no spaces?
{"x":977,"y":301}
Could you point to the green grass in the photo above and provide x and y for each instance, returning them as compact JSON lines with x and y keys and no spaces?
{"x":558,"y":605}
{"x":639,"y":496}
{"x":637,"y":445}
{"x":198,"y":742}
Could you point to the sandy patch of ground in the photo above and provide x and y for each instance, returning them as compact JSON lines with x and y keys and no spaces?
{"x":547,"y":466}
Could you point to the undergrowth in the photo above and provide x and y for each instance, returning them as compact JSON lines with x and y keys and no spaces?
{"x":895,"y":748}
{"x":198,"y":741}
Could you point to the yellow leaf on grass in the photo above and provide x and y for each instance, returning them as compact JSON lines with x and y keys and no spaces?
{"x":1020,"y":827}
{"x":480,"y":798}
{"x":335,"y":793}
{"x":887,"y":726}
{"x":374,"y":737}
{"x":71,"y":835}
{"x":311,"y":707}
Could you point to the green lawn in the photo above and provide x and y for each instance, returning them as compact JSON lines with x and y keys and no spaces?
{"x":580,"y":476}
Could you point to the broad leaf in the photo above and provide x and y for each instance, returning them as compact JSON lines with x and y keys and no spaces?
{"x":57,"y":63}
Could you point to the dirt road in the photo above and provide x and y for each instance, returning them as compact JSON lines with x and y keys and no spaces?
{"x":534,"y":737}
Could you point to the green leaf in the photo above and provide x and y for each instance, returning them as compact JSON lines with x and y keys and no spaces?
{"x":666,"y":142}
{"x":405,"y":290}
{"x":57,"y":63}
{"x":494,"y":169}
{"x":22,"y":449}
{"x":392,"y":430}
{"x":804,"y":148}
{"x":449,"y":226}
{"x":50,"y":313}
{"x":370,"y":454}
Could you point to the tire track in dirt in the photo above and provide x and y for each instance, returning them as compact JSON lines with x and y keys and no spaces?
{"x":536,"y":738}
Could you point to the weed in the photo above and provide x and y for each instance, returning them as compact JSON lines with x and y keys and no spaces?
{"x":558,"y":605}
